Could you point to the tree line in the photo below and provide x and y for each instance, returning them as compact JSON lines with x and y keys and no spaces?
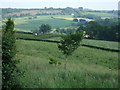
{"x":100,"y":31}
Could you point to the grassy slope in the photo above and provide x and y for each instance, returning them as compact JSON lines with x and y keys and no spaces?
{"x":99,"y":43}
{"x":85,"y":68}
{"x":56,"y":37}
{"x":24,"y":24}
{"x":101,"y":14}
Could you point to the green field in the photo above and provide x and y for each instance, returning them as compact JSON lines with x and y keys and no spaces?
{"x":25,"y":24}
{"x":56,"y":37}
{"x":101,"y":43}
{"x":98,"y":43}
{"x":86,"y":68}
{"x":101,"y":14}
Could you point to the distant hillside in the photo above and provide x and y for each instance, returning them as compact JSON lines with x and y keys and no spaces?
{"x":27,"y":12}
{"x":76,"y":12}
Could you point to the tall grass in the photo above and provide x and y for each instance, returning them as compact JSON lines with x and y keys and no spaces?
{"x":86,"y":68}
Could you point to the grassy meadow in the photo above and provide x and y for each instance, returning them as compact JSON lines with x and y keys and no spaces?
{"x":98,"y":43}
{"x":86,"y":68}
{"x":58,"y":21}
{"x":56,"y":37}
{"x":101,"y":14}
{"x":25,"y":24}
{"x":101,"y":43}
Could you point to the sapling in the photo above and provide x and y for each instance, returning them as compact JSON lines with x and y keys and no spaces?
{"x":69,"y":43}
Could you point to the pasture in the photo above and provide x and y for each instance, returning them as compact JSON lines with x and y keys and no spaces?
{"x":56,"y":21}
{"x":101,"y":14}
{"x":86,"y":68}
{"x":98,"y":43}
{"x":101,"y":43}
{"x":25,"y":24}
{"x":56,"y":37}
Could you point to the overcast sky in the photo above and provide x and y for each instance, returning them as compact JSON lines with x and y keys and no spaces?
{"x":91,"y":4}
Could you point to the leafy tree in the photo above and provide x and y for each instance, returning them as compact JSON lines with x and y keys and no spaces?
{"x":9,"y":68}
{"x":69,"y":43}
{"x":103,"y":32}
{"x":45,"y":28}
{"x":93,"y":29}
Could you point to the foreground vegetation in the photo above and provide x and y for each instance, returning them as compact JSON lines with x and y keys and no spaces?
{"x":87,"y":68}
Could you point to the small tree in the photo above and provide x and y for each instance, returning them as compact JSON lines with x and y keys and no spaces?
{"x":70,"y":43}
{"x":8,"y":53}
{"x":45,"y":28}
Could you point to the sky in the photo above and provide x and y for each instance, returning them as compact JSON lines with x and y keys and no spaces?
{"x":91,"y":4}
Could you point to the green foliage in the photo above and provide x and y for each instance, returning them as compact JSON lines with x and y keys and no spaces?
{"x":101,"y":31}
{"x":9,"y":67}
{"x":54,"y":61}
{"x":45,"y":28}
{"x":70,"y":42}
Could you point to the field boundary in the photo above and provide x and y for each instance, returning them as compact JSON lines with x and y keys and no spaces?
{"x":24,"y":32}
{"x":40,"y":40}
{"x":106,"y":49}
{"x":90,"y":46}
